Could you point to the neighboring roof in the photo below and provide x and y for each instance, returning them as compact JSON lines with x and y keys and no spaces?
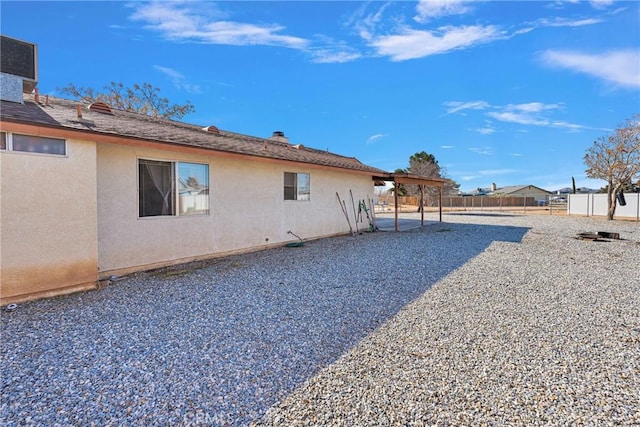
{"x":517,"y":188}
{"x":60,"y":113}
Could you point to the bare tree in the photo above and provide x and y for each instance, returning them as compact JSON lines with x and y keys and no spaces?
{"x":616,"y":159}
{"x":144,"y":99}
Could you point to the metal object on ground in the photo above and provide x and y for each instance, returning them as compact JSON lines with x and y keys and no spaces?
{"x":608,"y":235}
{"x":600,"y":236}
{"x":295,"y":244}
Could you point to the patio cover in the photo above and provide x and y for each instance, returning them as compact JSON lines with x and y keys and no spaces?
{"x":421,"y":181}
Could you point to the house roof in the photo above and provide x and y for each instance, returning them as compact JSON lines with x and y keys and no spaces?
{"x":517,"y":188}
{"x":63,"y":114}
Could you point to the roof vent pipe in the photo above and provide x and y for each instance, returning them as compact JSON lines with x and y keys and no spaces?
{"x":211,"y":129}
{"x":279,"y":136}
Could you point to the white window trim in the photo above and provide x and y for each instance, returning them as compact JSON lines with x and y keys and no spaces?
{"x":176,"y":196}
{"x":296,"y":200}
{"x":9,"y":147}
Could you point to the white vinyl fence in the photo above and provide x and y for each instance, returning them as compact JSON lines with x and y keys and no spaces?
{"x":596,"y":205}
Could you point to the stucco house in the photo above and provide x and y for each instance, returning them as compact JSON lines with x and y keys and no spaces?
{"x":89,"y":192}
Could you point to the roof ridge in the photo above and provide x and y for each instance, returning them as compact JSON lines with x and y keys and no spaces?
{"x":129,"y":124}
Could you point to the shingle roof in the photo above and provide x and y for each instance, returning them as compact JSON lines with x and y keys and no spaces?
{"x":61,"y":113}
{"x":515,"y":188}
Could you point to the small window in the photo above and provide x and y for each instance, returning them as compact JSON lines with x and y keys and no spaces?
{"x":32,"y":144}
{"x":38,"y":144}
{"x":193,"y":188}
{"x":155,"y":188}
{"x":297,"y":186}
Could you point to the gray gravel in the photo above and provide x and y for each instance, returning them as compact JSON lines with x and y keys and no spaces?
{"x":482,"y":319}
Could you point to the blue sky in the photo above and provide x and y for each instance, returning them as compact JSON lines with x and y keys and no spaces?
{"x":505,"y":92}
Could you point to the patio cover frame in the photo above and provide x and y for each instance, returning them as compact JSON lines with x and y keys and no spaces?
{"x":421,"y":181}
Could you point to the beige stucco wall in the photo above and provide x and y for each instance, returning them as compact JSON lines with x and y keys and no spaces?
{"x":247,"y":209}
{"x":48,"y":222}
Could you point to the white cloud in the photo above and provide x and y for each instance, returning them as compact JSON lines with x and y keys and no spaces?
{"x":326,"y":56}
{"x":532,"y":114}
{"x":565,"y":22}
{"x":428,"y":9}
{"x":365,"y":25}
{"x":374,"y":138}
{"x":620,"y":67}
{"x":601,"y":4}
{"x":533,"y":107}
{"x":202,"y":23}
{"x":446,"y":146}
{"x":485,"y":151}
{"x":169,"y":72}
{"x":412,"y":44}
{"x":456,"y":106}
{"x":178,"y":79}
{"x":529,"y":114}
{"x":485,"y":130}
{"x":333,"y":51}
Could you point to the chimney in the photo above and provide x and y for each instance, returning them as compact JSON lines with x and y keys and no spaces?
{"x":279,"y":136}
{"x":18,"y":69}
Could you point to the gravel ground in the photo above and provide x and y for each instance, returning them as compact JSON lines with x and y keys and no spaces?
{"x":481,"y":319}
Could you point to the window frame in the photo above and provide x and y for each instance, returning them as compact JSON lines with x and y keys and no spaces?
{"x":10,"y":148}
{"x":175,"y":206}
{"x":293,"y":193}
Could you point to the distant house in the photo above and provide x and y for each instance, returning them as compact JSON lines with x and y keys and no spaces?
{"x":538,"y":193}
{"x":579,"y":190}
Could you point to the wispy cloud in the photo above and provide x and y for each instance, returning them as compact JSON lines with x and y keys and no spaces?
{"x":203,"y":23}
{"x":431,"y":9}
{"x":601,"y":4}
{"x":333,"y":51}
{"x":412,"y":44}
{"x":528,"y":114}
{"x":566,"y":22}
{"x":531,"y":114}
{"x":620,"y":67}
{"x":178,"y":79}
{"x":484,"y":151}
{"x":374,"y":138}
{"x":446,"y":147}
{"x":485,"y":130}
{"x":457,"y":106}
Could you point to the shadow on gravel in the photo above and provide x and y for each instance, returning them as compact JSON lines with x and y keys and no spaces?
{"x":218,"y":342}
